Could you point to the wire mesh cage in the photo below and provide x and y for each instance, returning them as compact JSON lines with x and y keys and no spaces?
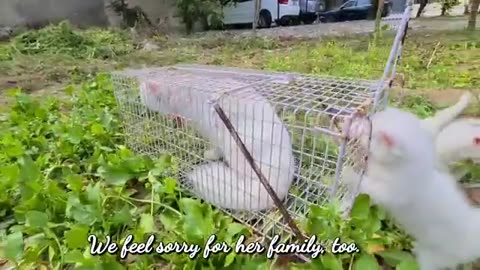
{"x":262,"y":146}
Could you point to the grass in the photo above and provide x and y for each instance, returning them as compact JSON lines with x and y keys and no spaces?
{"x":65,"y":172}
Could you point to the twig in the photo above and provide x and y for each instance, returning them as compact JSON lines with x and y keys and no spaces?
{"x":433,"y":54}
{"x":258,"y":172}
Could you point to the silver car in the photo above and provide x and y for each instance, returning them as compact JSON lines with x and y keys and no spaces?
{"x":309,"y":10}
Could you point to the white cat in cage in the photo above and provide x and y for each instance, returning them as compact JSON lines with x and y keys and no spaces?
{"x":231,"y":184}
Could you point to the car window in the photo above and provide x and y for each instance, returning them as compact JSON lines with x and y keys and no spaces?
{"x":350,"y":3}
{"x":363,"y":2}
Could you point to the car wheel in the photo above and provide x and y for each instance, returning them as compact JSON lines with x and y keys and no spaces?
{"x":308,"y":18}
{"x":329,"y":19}
{"x":264,"y":19}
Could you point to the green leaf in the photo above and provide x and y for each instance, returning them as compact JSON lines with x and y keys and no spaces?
{"x":28,"y":170}
{"x":114,"y":265}
{"x":169,"y":185}
{"x":122,"y":217}
{"x":74,"y":256}
{"x":77,"y":236}
{"x":94,"y":193}
{"x":366,"y":262}
{"x":83,"y":214}
{"x":75,"y":134}
{"x":235,"y":228}
{"x":196,"y":224}
{"x":36,"y":219}
{"x":229,"y":259}
{"x":116,"y":176}
{"x":147,"y":224}
{"x":14,"y":246}
{"x":409,"y":264}
{"x":75,"y":182}
{"x":97,"y":129}
{"x":395,"y":256}
{"x":361,"y":207}
{"x":169,"y":221}
{"x":331,"y":262}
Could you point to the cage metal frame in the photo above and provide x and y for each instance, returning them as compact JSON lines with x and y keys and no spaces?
{"x":356,"y":93}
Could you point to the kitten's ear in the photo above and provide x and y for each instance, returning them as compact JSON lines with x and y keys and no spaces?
{"x":388,"y":143}
{"x":387,"y":140}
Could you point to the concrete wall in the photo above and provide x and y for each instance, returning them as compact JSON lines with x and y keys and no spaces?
{"x":84,"y":12}
{"x":80,"y":12}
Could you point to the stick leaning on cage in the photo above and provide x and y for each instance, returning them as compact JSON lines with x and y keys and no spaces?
{"x":258,"y":172}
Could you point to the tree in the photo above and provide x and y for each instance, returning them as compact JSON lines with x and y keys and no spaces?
{"x":378,"y":17}
{"x":448,"y":5}
{"x":472,"y":20}
{"x":204,"y":11}
{"x":466,"y":5}
{"x":423,"y":4}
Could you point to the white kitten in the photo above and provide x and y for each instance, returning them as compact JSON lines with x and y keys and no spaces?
{"x":455,"y":140}
{"x":233,"y":185}
{"x":442,"y":118}
{"x":459,"y":141}
{"x":403,"y":178}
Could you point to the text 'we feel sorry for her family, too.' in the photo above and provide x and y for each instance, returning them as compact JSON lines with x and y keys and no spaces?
{"x":274,"y":247}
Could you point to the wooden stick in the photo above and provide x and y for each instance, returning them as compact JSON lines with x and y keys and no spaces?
{"x":433,"y":55}
{"x":258,"y":172}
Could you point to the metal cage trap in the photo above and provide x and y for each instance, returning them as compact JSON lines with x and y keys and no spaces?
{"x":261,"y":146}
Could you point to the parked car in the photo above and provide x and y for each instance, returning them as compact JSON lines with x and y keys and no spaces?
{"x":282,"y":12}
{"x":309,"y":10}
{"x":353,"y":10}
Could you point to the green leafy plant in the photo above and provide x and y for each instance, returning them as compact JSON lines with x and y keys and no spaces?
{"x":66,"y":175}
{"x":63,"y":39}
{"x":207,"y":12}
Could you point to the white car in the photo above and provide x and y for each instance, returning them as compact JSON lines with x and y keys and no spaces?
{"x":282,"y":12}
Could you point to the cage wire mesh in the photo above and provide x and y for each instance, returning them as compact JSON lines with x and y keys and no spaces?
{"x":286,"y":121}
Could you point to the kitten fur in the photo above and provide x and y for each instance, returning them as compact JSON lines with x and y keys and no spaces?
{"x":455,"y":140}
{"x":459,"y":141}
{"x":403,"y":178}
{"x":233,"y":185}
{"x":442,"y":118}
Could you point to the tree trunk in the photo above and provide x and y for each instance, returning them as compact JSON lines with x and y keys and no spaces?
{"x":112,"y":13}
{"x":378,"y":17}
{"x":472,"y":20}
{"x":444,"y":9}
{"x":423,"y":4}
{"x":466,"y":5}
{"x":256,"y":15}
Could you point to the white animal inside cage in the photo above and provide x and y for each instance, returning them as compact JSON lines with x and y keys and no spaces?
{"x":287,"y":123}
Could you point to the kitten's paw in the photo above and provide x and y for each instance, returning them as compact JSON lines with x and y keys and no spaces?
{"x":212,"y":154}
